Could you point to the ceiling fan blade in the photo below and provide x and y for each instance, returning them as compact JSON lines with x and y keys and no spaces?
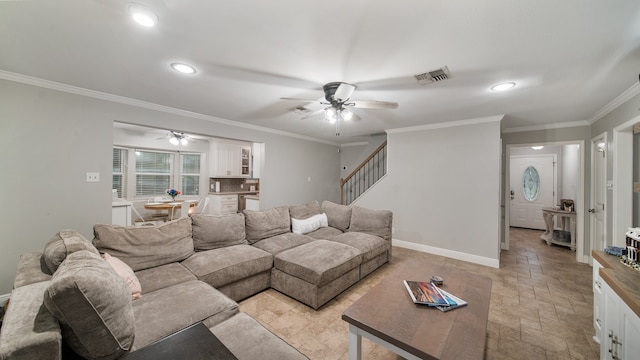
{"x":372,"y":104}
{"x":312,"y":114}
{"x":301,"y":100}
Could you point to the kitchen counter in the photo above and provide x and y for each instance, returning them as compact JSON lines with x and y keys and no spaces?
{"x":620,"y":278}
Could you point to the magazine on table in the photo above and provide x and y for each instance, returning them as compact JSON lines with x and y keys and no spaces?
{"x":454,"y":301}
{"x":426,"y":293}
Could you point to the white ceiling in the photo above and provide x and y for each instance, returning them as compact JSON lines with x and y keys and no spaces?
{"x":569,"y":58}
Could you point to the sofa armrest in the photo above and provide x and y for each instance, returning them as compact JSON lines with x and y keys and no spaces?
{"x":31,"y":269}
{"x":29,"y":330}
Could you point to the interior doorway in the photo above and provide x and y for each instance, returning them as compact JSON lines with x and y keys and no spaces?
{"x":570,"y":184}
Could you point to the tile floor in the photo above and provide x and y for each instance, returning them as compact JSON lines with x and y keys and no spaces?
{"x":541,"y":306}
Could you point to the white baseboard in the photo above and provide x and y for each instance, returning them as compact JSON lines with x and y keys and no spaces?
{"x":4,"y":298}
{"x":495,"y":263}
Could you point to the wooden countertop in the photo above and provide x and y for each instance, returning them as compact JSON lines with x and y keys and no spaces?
{"x":622,"y":279}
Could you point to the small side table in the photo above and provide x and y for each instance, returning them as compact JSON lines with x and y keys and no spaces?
{"x":568,"y":223}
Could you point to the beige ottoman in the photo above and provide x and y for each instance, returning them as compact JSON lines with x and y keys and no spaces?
{"x":316,"y":272}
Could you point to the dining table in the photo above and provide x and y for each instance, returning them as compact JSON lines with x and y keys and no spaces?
{"x":168,"y":206}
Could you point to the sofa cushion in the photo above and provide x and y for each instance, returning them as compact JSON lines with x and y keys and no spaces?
{"x":246,"y":338}
{"x":282,"y":242}
{"x":62,"y":244}
{"x":126,"y":274}
{"x":163,"y":276}
{"x":313,"y":223}
{"x":369,"y":245}
{"x":162,"y":312}
{"x":213,"y":231}
{"x":339,"y":216}
{"x":263,"y":224}
{"x":93,"y":306}
{"x":147,"y":246}
{"x":223,"y":266}
{"x":324,"y":233}
{"x":305,"y":211}
{"x":374,"y":222}
{"x":318,"y":262}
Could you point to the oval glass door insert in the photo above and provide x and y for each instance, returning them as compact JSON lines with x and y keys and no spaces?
{"x":530,"y":183}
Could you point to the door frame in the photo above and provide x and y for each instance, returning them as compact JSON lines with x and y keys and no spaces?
{"x":599,"y":138}
{"x":580,"y":195}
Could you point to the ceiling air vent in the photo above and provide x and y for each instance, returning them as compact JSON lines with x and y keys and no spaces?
{"x":433,"y":76}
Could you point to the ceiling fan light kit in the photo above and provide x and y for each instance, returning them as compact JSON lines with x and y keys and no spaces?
{"x":178,"y":138}
{"x":337,"y":95}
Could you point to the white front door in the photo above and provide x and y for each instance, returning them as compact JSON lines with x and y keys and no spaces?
{"x":598,"y":186}
{"x":533,"y":183}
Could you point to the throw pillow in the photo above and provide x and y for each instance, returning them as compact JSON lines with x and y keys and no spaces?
{"x":126,"y":273}
{"x":61,"y":245}
{"x":304,"y":226}
{"x":147,"y":246}
{"x":93,"y":306}
{"x":213,"y":231}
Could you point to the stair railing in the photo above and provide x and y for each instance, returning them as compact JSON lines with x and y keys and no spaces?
{"x":364,"y":176}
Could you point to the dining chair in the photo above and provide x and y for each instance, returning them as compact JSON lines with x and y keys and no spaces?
{"x":201,"y":208}
{"x":140,"y":221}
{"x":184,"y":208}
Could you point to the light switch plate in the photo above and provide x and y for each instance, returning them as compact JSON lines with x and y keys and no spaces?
{"x":93,"y":177}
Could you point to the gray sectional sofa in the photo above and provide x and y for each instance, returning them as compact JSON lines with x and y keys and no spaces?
{"x":133,"y":286}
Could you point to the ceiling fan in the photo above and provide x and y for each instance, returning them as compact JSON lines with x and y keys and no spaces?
{"x":338,"y":97}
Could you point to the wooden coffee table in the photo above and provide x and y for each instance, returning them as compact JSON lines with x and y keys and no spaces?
{"x":388,"y":316}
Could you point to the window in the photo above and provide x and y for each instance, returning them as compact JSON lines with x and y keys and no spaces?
{"x":143,"y":173}
{"x":119,"y":165}
{"x":190,"y":174}
{"x":530,"y":183}
{"x":153,"y":172}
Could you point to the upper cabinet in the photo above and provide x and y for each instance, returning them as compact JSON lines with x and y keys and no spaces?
{"x":230,"y":159}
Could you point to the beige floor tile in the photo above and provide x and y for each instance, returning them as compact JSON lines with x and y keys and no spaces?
{"x":541,"y":307}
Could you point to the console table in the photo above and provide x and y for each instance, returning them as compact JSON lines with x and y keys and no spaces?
{"x":567,"y":221}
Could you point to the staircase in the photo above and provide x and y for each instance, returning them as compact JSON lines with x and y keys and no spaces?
{"x":364,"y":176}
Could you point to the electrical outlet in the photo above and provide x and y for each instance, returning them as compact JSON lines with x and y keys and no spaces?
{"x":93,"y":177}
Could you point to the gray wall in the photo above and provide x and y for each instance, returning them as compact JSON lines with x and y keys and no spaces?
{"x":443,"y":188}
{"x":49,"y":139}
{"x":622,"y":114}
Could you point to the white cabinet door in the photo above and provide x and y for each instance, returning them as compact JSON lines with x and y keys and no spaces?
{"x":621,"y":329}
{"x":598,"y":311}
{"x":230,"y":160}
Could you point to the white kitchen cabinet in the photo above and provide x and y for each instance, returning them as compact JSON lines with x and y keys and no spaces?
{"x":230,"y":160}
{"x":621,"y":328}
{"x":223,"y":204}
{"x":121,"y":212}
{"x":598,"y":311}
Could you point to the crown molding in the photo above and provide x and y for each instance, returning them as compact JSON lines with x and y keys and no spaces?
{"x":615,"y":103}
{"x":447,"y":124}
{"x":360,"y":143}
{"x":52,"y":85}
{"x":546,"y":126}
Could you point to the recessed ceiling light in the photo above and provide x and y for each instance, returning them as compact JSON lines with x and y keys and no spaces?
{"x":183,"y":68}
{"x":537,"y":147}
{"x":503,"y":86}
{"x":142,"y":15}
